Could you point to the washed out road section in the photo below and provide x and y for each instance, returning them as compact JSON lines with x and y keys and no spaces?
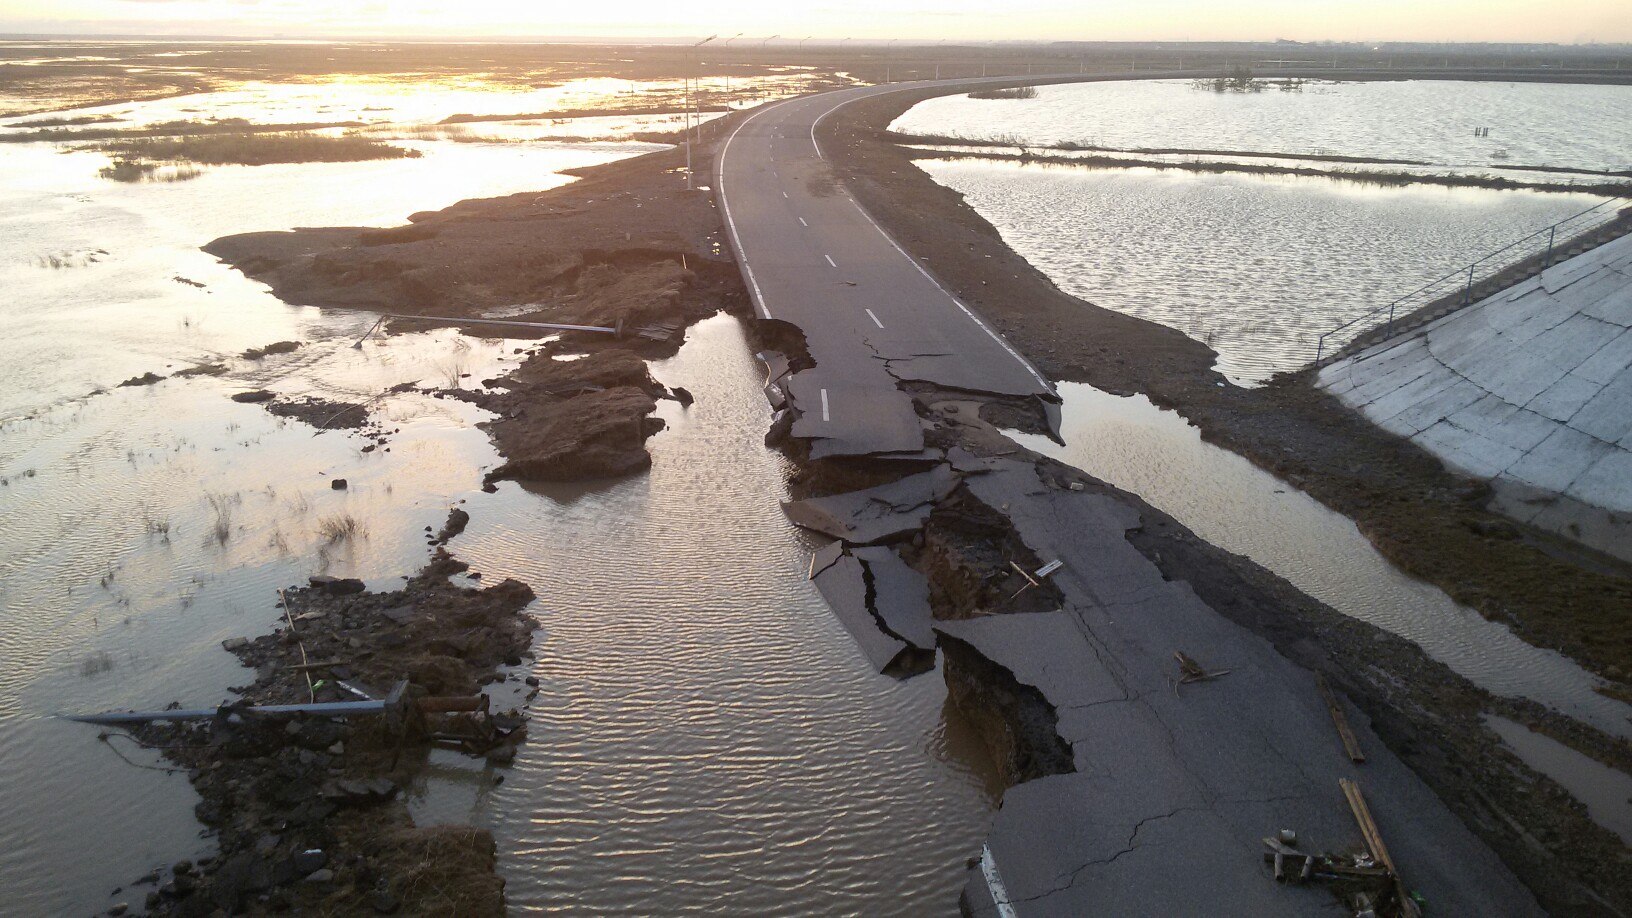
{"x":1170,"y":793}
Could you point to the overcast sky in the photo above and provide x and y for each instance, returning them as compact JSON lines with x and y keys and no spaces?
{"x":1570,"y":21}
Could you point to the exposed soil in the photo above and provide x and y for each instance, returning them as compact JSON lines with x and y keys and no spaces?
{"x":276,"y":347}
{"x":1428,"y":521}
{"x":626,"y":247}
{"x":322,"y":413}
{"x":1015,"y":721}
{"x":307,"y":809}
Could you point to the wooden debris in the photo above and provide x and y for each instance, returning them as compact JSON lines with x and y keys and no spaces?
{"x":1351,"y":744}
{"x":319,"y":664}
{"x":1191,"y":671}
{"x":1374,"y":844}
{"x":1030,"y":581}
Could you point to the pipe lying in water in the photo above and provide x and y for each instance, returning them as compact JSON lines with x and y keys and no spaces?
{"x":451,"y":320}
{"x":391,"y":702}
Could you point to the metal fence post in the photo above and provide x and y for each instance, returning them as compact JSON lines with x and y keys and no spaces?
{"x":1548,"y":261}
{"x":1467,"y":295}
{"x":1320,"y":347}
{"x":1390,"y":329}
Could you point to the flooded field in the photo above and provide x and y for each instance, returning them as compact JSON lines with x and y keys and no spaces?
{"x":1567,"y":126}
{"x":1258,"y":266}
{"x":703,"y":717}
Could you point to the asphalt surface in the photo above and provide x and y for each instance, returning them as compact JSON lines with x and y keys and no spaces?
{"x":872,"y":316}
{"x":1176,"y":785}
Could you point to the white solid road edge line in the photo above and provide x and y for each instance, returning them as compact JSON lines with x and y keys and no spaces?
{"x":994,"y":883}
{"x":830,"y":260}
{"x":802,"y":222}
{"x":824,"y":406}
{"x":870,"y":315}
{"x":725,"y":205}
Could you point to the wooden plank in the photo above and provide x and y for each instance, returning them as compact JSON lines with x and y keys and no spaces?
{"x":1374,"y":844}
{"x":1351,"y":744}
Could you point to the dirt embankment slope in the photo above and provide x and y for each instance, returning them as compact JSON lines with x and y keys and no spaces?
{"x":626,"y":247}
{"x":1425,"y":519}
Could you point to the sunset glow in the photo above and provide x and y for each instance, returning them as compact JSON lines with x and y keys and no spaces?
{"x":1570,"y":21}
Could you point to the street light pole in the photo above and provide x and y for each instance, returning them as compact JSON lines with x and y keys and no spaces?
{"x":695,"y":67}
{"x":728,"y":41}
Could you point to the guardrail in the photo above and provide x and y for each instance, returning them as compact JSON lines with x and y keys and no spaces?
{"x":1534,"y":253}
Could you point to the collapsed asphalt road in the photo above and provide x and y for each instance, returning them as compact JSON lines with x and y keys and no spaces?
{"x":1152,"y":799}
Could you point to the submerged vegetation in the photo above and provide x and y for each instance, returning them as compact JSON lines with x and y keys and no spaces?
{"x":70,"y":121}
{"x":246,"y":149}
{"x":1240,"y":79}
{"x":1018,"y":92}
{"x":340,"y":529}
{"x":130,"y":171}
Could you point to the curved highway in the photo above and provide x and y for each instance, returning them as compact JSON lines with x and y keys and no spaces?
{"x":872,"y":316}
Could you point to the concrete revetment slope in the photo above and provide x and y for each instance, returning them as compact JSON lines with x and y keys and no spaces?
{"x":1530,"y":389}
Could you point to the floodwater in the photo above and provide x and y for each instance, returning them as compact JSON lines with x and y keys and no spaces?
{"x":1258,"y":266}
{"x":1604,"y":791}
{"x":707,"y":736}
{"x":1231,"y":503}
{"x":1569,"y":126}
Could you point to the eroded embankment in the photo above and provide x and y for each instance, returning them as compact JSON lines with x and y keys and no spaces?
{"x":976,"y":568}
{"x":1432,"y":523}
{"x":626,"y":248}
{"x":307,"y":809}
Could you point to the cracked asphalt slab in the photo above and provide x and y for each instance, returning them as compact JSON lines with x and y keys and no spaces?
{"x":1174,"y":786}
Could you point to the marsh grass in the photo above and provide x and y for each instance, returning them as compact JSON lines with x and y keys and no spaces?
{"x":340,"y":529}
{"x":221,"y":509}
{"x":96,"y":663}
{"x":131,"y":171}
{"x":452,"y":370}
{"x":156,"y":526}
{"x":1017,"y":92}
{"x":246,"y":149}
